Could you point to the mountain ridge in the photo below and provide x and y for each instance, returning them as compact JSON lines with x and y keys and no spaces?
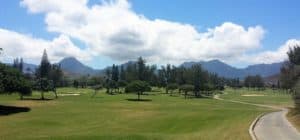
{"x":74,"y":67}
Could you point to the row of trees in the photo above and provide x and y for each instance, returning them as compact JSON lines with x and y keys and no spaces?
{"x":168,"y":77}
{"x":290,"y":74}
{"x":46,"y":78}
{"x":194,"y":80}
{"x":254,"y":82}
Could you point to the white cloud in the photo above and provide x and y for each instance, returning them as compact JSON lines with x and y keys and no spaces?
{"x":19,"y":45}
{"x":272,"y":56}
{"x":114,"y":30}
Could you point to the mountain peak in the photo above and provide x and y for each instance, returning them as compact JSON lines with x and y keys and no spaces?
{"x":71,"y":58}
{"x":74,"y":66}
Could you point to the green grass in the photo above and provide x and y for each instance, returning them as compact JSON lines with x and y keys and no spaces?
{"x":113,"y":117}
{"x":266,"y":97}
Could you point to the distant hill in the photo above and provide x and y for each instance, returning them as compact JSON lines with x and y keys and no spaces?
{"x":272,"y":80}
{"x":228,"y":71}
{"x":72,"y":66}
{"x":29,"y":68}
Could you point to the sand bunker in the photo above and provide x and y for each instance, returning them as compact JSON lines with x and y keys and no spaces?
{"x":251,"y":95}
{"x":68,"y":94}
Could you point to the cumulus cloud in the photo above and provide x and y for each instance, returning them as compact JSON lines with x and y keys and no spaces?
{"x":19,"y":45}
{"x":113,"y":29}
{"x":273,"y":56}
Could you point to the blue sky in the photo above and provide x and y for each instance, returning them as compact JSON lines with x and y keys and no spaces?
{"x":279,"y":20}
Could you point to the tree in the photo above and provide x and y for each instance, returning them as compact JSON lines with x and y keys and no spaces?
{"x":12,"y":80}
{"x":75,"y":84}
{"x":141,"y":68}
{"x":169,"y":75}
{"x":186,"y":88}
{"x":197,"y":79}
{"x":122,"y":73}
{"x":294,"y":55}
{"x":296,"y":97}
{"x":83,"y":81}
{"x":122,"y":84}
{"x":161,"y":79}
{"x":115,"y":73}
{"x":181,"y":80}
{"x":42,"y":74}
{"x":290,"y":74}
{"x":138,"y":87}
{"x":107,"y":80}
{"x":171,"y":87}
{"x":254,"y":82}
{"x":18,"y":64}
{"x":45,"y":66}
{"x":56,"y":75}
{"x":96,"y":89}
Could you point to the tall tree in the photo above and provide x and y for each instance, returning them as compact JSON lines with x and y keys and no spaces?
{"x":290,"y":74}
{"x":181,"y":80}
{"x":107,"y":80}
{"x":21,"y":64}
{"x":294,"y":55}
{"x":141,"y":68}
{"x":42,"y":74}
{"x":186,"y":88}
{"x":122,"y":73}
{"x":115,"y":73}
{"x":197,"y":79}
{"x":45,"y":66}
{"x":56,"y":75}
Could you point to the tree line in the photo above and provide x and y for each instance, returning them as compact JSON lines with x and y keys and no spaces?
{"x":290,"y":75}
{"x":122,"y":78}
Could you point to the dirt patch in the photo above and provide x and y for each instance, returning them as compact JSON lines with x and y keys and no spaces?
{"x":252,"y":95}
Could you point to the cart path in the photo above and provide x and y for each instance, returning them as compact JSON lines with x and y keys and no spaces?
{"x":272,"y":126}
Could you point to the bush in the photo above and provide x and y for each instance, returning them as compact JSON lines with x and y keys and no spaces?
{"x":138,"y":87}
{"x":12,"y":80}
{"x":186,"y":88}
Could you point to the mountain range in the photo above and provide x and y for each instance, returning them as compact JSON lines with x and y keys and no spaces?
{"x":228,"y":71}
{"x":73,"y":67}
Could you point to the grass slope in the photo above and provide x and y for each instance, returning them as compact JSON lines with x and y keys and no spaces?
{"x":113,"y":117}
{"x":266,"y":97}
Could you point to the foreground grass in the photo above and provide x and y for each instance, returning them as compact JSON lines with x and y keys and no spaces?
{"x":266,"y":97}
{"x":114,"y":117}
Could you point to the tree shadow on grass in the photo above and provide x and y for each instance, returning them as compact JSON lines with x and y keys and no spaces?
{"x":8,"y":110}
{"x":139,"y":100}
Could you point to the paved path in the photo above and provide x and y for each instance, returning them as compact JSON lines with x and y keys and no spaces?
{"x":275,"y":126}
{"x":272,"y":126}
